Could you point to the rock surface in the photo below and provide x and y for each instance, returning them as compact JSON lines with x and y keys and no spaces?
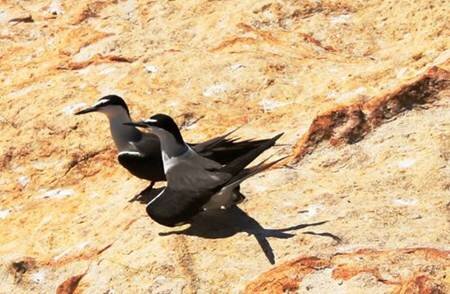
{"x":418,"y":270}
{"x":360,"y":88}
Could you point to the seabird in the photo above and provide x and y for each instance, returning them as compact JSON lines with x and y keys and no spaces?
{"x":140,"y":152}
{"x":195,"y":183}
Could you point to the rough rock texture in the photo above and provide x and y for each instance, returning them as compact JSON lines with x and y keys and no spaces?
{"x":361,"y":89}
{"x":418,"y":270}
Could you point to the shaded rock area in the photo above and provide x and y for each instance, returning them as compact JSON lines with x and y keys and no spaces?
{"x":360,"y":88}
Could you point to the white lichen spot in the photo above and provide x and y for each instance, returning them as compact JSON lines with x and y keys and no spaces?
{"x":3,"y":17}
{"x":214,"y":90}
{"x":94,"y":195}
{"x":77,"y":248}
{"x":236,"y":66}
{"x":22,"y":92}
{"x":70,"y":109}
{"x":43,"y":165}
{"x":312,"y":210}
{"x":172,"y":103}
{"x":84,"y":71}
{"x":268,"y":14}
{"x":55,"y":7}
{"x":38,"y":277}
{"x":401,"y":72}
{"x":23,"y":180}
{"x":57,"y":193}
{"x":107,"y":71}
{"x":45,"y":220}
{"x":129,"y":7}
{"x":404,"y":202}
{"x":62,"y":254}
{"x":406,"y":163}
{"x":348,"y":95}
{"x":150,"y":68}
{"x":4,"y":213}
{"x":260,"y":188}
{"x":443,"y":57}
{"x":339,"y":19}
{"x":270,"y":104}
{"x":82,"y":245}
{"x":162,"y":284}
{"x":190,"y":124}
{"x":321,"y":281}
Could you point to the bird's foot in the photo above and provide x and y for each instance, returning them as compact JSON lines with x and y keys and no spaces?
{"x":141,"y":194}
{"x":136,"y":197}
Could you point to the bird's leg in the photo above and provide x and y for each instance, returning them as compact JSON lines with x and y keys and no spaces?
{"x":149,"y":188}
{"x":141,"y":194}
{"x":239,"y":197}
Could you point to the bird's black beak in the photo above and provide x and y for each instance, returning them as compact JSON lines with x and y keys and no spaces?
{"x":86,"y":110}
{"x":140,"y":124}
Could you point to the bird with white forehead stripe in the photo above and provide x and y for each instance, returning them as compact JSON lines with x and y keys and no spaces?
{"x":140,"y":152}
{"x":195,"y":183}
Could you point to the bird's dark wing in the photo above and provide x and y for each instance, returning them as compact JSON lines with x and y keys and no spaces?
{"x":211,"y":143}
{"x":224,"y":150}
{"x":175,"y":207}
{"x":172,"y":208}
{"x":248,"y":172}
{"x":144,"y":158}
{"x":196,"y":175}
{"x":238,"y":164}
{"x":148,"y":145}
{"x":228,"y":150}
{"x":188,"y":190}
{"x":149,"y":167}
{"x":229,"y":192}
{"x":194,"y":180}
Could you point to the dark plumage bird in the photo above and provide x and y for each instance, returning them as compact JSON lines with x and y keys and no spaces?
{"x":196,"y":183}
{"x":140,"y":152}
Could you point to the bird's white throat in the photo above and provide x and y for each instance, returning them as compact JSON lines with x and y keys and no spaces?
{"x":121,"y":134}
{"x":171,"y":150}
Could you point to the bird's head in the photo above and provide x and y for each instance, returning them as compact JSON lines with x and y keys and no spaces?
{"x":161,"y":125}
{"x":109,"y":105}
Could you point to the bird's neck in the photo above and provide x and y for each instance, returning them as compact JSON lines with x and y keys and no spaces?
{"x":171,"y":146}
{"x":122,"y":134}
{"x":172,"y":150}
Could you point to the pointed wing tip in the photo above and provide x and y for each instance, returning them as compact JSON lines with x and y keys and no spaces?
{"x":278,"y":136}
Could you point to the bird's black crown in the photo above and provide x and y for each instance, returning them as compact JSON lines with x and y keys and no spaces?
{"x":113,"y":100}
{"x":165,"y":122}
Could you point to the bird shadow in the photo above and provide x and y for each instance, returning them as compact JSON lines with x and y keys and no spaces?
{"x":146,"y":195}
{"x":218,"y":224}
{"x":226,"y":223}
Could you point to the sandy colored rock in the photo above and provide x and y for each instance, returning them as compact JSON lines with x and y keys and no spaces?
{"x":380,"y":202}
{"x":417,"y":270}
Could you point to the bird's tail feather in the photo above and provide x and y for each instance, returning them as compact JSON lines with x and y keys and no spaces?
{"x":238,"y":164}
{"x":214,"y":141}
{"x":248,"y":172}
